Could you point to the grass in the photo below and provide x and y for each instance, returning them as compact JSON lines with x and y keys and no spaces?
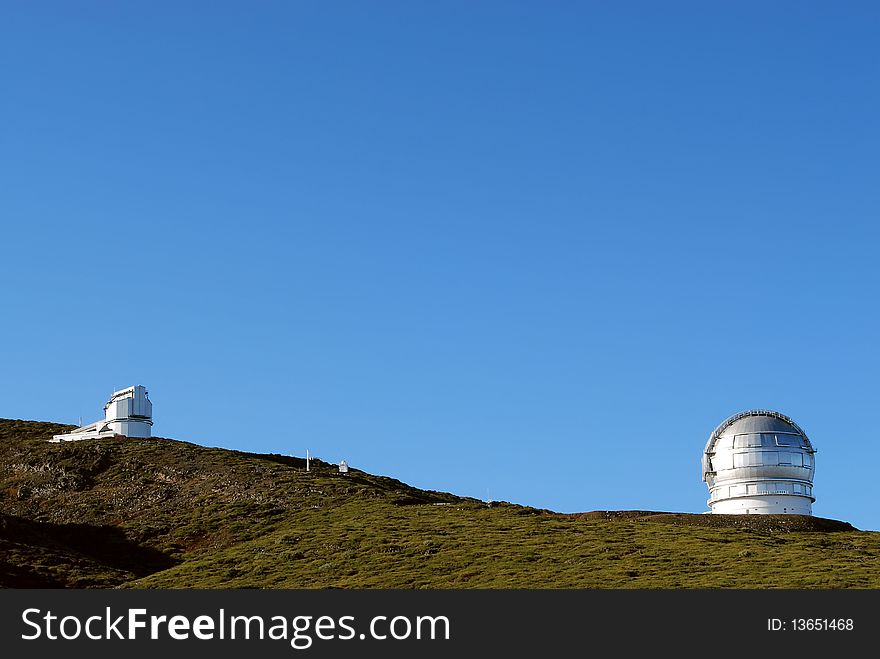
{"x":196,"y":517}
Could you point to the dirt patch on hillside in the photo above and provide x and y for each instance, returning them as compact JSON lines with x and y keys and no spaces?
{"x":765,"y":523}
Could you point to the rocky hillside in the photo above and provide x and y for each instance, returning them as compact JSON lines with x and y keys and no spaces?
{"x":160,"y":513}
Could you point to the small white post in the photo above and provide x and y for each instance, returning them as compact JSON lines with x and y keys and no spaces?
{"x":307,"y":459}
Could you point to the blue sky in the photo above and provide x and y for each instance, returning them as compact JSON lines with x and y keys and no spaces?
{"x":531,"y":252}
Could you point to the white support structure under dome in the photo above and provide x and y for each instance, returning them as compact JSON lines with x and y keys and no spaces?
{"x":759,"y":462}
{"x":128,"y":413}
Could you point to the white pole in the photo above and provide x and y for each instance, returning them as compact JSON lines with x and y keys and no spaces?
{"x":307,"y":459}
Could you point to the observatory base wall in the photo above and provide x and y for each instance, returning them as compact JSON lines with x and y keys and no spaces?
{"x":768,"y":505}
{"x":131,"y":428}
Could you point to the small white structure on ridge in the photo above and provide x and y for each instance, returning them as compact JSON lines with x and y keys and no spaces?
{"x":759,"y":462}
{"x":343,"y":467}
{"x":128,"y":413}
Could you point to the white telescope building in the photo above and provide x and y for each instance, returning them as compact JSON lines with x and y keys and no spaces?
{"x":128,"y":413}
{"x":759,"y":462}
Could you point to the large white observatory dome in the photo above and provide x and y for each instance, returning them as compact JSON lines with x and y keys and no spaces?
{"x":759,"y":462}
{"x":128,"y":413}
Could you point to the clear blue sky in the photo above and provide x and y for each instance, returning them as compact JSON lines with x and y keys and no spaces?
{"x":527,"y":251}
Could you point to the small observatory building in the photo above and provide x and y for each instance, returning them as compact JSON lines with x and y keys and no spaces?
{"x":759,"y":462}
{"x":128,"y":413}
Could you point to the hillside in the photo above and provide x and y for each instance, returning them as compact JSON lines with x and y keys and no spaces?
{"x":160,"y":513}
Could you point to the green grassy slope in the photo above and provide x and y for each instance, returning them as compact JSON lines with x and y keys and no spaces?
{"x":166,"y":514}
